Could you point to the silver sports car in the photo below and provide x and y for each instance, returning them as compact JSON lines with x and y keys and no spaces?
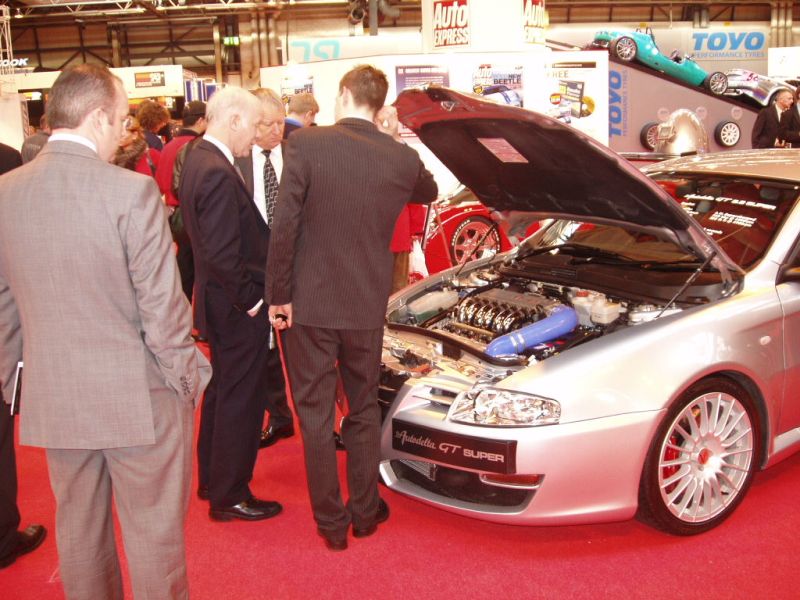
{"x":760,"y":88}
{"x":638,"y":352}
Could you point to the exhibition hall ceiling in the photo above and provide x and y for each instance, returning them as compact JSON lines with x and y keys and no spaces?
{"x":408,"y":11}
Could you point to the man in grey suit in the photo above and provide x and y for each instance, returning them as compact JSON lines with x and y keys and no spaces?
{"x":329,"y":270}
{"x":91,"y":299}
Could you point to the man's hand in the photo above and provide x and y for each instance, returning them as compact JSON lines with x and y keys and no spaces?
{"x":386,"y":121}
{"x":280,"y":316}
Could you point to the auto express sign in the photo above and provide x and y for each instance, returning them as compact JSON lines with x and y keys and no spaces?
{"x":535,"y":21}
{"x":451,"y":26}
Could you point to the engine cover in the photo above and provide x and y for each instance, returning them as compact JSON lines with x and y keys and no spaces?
{"x":495,"y":312}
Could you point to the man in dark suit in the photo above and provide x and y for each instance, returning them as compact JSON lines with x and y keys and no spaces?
{"x":90,"y":296}
{"x":329,"y":272}
{"x":13,"y":543}
{"x":767,"y":128}
{"x":790,"y":122}
{"x":262,"y":173}
{"x":10,"y":158}
{"x":229,"y":241}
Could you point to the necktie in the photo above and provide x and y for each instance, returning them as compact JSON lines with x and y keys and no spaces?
{"x":270,"y":187}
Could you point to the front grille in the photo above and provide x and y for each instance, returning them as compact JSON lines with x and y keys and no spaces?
{"x":459,"y":485}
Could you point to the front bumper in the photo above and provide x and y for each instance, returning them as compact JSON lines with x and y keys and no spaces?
{"x":572,"y":473}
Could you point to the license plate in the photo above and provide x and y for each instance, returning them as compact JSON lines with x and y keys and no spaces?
{"x":494,"y":456}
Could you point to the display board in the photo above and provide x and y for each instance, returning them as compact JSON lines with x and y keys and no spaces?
{"x":641,"y":98}
{"x":139,"y":82}
{"x":538,"y":79}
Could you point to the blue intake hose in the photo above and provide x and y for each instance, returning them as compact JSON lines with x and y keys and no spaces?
{"x":560,"y":322}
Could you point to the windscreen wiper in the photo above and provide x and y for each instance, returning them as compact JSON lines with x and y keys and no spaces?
{"x":649,"y":265}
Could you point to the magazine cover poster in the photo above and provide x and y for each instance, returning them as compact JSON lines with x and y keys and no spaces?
{"x":500,"y":83}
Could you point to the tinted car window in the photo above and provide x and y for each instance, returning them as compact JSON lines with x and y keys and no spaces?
{"x":742,"y":216}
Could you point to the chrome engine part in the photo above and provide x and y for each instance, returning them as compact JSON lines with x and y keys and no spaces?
{"x":495,"y":312}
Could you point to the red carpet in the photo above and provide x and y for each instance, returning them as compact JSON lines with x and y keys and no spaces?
{"x":423,"y":553}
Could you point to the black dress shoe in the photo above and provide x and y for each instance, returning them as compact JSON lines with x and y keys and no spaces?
{"x":272,"y":434}
{"x":27,"y":541}
{"x":337,"y":439}
{"x":333,"y":543}
{"x":247,"y":510}
{"x":202,"y":492}
{"x":381,"y":516}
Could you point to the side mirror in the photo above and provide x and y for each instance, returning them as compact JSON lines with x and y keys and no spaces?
{"x":788,"y":274}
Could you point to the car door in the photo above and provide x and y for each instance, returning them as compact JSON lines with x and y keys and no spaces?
{"x":789,"y":295}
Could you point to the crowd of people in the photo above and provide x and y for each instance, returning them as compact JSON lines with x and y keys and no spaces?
{"x":280,"y":238}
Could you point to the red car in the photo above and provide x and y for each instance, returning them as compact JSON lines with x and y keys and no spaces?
{"x":456,"y":226}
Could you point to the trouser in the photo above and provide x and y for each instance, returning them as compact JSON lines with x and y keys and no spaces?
{"x":150,"y":487}
{"x":9,"y":513}
{"x":233,"y":407}
{"x":311,"y":355}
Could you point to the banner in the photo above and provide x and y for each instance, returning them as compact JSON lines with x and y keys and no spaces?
{"x":450,"y":23}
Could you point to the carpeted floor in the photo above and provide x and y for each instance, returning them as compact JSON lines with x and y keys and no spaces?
{"x":424,"y":553}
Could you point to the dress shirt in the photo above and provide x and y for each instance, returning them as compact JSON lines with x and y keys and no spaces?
{"x":222,"y":147}
{"x":276,"y":158}
{"x":72,"y":137}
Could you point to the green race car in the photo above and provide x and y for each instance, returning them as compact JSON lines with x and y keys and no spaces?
{"x":641,"y":46}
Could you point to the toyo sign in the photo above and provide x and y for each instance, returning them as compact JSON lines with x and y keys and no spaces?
{"x":729,"y":44}
{"x":617,"y":103}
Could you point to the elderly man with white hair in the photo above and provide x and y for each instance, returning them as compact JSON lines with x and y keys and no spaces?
{"x":229,"y":242}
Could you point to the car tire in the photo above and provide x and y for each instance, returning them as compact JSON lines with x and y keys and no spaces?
{"x":468,"y":233}
{"x":727,"y":134}
{"x":624,"y":48}
{"x":716,"y":83}
{"x":648,"y":136}
{"x":702,"y":459}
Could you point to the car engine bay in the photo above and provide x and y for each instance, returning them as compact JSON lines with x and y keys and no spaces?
{"x":511,"y":320}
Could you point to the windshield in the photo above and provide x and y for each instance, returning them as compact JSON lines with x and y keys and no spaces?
{"x":742,"y":216}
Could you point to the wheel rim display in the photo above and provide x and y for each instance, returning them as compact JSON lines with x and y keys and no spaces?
{"x":706,"y":457}
{"x":626,"y":48}
{"x":718,"y":83}
{"x":469,"y":236}
{"x":729,"y":134}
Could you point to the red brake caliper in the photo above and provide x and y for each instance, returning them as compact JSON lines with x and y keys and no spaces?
{"x":670,"y":454}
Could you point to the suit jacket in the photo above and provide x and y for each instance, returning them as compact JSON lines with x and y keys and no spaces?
{"x":767,"y":128}
{"x":229,"y":237}
{"x":341,"y":191}
{"x":90,"y":297}
{"x":790,"y":125}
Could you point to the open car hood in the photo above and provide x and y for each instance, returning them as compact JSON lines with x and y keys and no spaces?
{"x":518,"y":160}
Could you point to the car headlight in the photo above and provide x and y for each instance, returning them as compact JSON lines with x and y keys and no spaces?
{"x":493,"y":406}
